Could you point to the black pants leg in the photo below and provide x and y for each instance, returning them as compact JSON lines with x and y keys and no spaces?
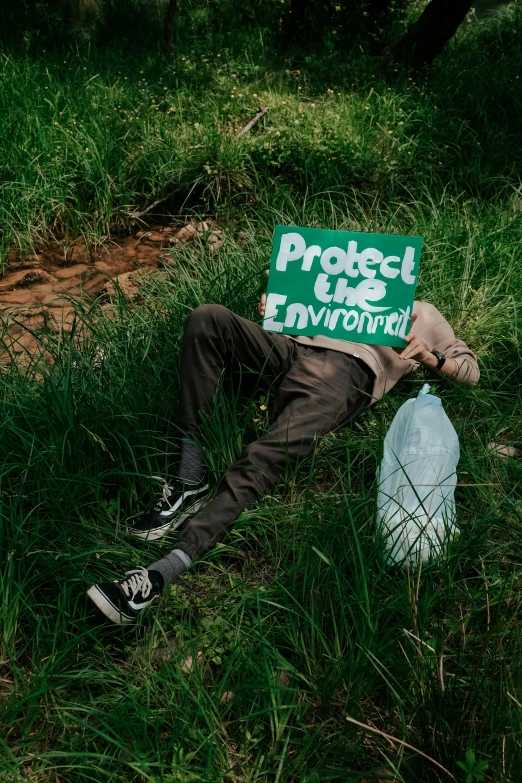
{"x":319,"y":391}
{"x":215,"y":339}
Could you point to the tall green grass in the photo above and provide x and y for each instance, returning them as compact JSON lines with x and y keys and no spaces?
{"x":294,"y":623}
{"x":87,"y":135}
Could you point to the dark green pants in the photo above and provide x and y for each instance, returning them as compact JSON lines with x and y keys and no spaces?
{"x":317,"y":391}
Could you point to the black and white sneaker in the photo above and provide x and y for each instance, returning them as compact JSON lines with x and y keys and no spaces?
{"x":122,"y":600}
{"x":178,"y":501}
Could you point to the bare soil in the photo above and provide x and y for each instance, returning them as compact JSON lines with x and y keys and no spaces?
{"x":38,"y":293}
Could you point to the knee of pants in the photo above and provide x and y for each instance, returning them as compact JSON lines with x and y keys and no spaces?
{"x":204,"y":316}
{"x":255,"y":473}
{"x":246,"y":486}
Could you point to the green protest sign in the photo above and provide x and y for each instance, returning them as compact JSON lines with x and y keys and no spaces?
{"x":348,"y":285}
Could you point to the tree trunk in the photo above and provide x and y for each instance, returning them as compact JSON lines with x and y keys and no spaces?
{"x":84,"y":16}
{"x":167,"y":25}
{"x":293,"y":23}
{"x":427,"y":37}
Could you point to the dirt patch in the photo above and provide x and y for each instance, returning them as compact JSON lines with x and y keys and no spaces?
{"x":39,"y":292}
{"x":128,"y":284}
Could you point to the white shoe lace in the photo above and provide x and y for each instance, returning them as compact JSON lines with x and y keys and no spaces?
{"x":166,"y":492}
{"x":137,"y":582}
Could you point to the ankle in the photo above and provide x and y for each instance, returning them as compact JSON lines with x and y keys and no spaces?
{"x":156,"y":578}
{"x":172,"y":566}
{"x":191,"y":467}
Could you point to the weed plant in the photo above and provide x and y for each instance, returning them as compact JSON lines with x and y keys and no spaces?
{"x":248,"y":668}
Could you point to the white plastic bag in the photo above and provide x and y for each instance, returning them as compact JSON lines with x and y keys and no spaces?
{"x":417,"y":477}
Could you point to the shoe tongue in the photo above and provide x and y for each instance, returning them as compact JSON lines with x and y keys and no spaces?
{"x":156,"y":579}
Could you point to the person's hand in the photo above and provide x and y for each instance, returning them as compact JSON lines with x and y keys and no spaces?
{"x":416,"y":350}
{"x":261,"y":306}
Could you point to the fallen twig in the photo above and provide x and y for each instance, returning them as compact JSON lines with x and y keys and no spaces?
{"x":137,"y":215}
{"x":441,"y":672}
{"x":409,"y":633}
{"x":400,"y":742}
{"x":515,"y":700}
{"x":487,"y":595}
{"x":262,"y":111}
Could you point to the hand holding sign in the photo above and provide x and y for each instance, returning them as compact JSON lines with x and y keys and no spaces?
{"x":416,"y":350}
{"x":345,"y":285}
{"x":261,"y":305}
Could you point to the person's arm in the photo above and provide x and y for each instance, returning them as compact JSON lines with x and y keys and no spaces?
{"x":462,"y":367}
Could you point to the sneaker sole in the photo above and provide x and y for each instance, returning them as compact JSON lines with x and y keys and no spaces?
{"x":159,"y":532}
{"x":105,"y":606}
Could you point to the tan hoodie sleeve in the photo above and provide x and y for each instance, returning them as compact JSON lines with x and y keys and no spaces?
{"x":441,"y":337}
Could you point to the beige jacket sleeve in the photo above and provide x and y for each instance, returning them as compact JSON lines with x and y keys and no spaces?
{"x":441,"y":337}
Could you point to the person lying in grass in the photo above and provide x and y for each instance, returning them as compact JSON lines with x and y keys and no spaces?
{"x":321,"y":384}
